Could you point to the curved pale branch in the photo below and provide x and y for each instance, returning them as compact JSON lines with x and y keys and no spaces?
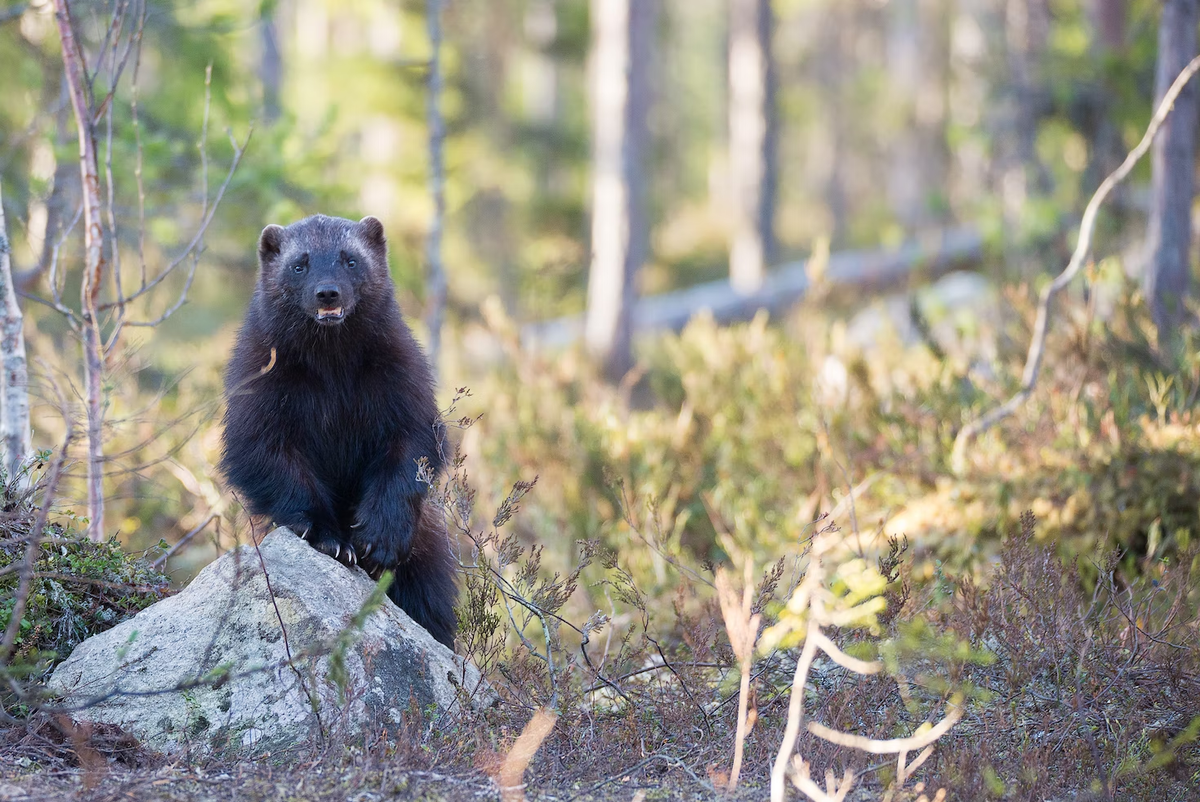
{"x":1037,"y":347}
{"x":892,"y":745}
{"x":844,"y":660}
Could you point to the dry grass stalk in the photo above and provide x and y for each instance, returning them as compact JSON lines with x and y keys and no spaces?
{"x":512,"y":773}
{"x":741,"y":624}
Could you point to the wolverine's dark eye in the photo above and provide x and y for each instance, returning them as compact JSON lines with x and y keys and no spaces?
{"x":350,"y":263}
{"x":299,"y":269}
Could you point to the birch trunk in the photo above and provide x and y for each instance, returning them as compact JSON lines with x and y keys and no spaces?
{"x":1167,"y":277}
{"x":93,"y":239}
{"x":752,"y":142}
{"x":18,"y":444}
{"x":622,"y":33}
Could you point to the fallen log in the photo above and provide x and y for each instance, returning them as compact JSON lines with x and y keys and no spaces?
{"x":862,"y":271}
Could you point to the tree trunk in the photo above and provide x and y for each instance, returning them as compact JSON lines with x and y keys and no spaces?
{"x":18,"y":444}
{"x":917,"y":71}
{"x":1110,"y":19}
{"x":93,"y":240}
{"x":1026,"y":30}
{"x":270,"y":65}
{"x":906,"y":188}
{"x":830,"y":71}
{"x":1173,"y":163}
{"x":437,"y":185}
{"x":752,"y":142}
{"x":622,"y":36}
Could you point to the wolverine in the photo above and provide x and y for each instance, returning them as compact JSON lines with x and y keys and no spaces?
{"x":330,"y":410}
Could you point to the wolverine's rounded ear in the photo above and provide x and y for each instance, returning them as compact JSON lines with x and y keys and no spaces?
{"x":372,"y":231}
{"x":270,"y":242}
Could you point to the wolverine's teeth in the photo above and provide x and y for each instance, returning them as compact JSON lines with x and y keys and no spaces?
{"x":334,"y":312}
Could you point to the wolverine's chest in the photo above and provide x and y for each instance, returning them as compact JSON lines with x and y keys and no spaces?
{"x":341,"y":417}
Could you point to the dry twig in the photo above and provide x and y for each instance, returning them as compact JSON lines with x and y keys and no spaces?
{"x":741,"y":623}
{"x":1037,"y":346}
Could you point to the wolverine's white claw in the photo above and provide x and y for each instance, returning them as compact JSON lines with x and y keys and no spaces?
{"x":337,"y":551}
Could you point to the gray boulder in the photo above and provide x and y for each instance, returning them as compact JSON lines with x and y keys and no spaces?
{"x":243,"y":661}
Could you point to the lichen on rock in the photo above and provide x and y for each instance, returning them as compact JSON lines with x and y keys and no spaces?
{"x":247,"y":661}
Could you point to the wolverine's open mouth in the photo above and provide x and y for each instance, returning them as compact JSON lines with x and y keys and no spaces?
{"x":333,"y":315}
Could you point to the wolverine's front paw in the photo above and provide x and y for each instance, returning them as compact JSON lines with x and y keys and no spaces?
{"x":378,"y":548}
{"x":384,"y":543}
{"x":334,"y":546}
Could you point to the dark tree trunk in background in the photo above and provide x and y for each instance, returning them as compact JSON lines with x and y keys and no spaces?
{"x":917,"y":72}
{"x":1026,"y":28}
{"x":1109,"y":18}
{"x":1173,"y":163}
{"x":905,"y":186}
{"x":270,"y":66}
{"x":831,"y":72}
{"x":752,"y":142}
{"x":622,"y":38}
{"x":1107,"y":146}
{"x":436,"y":288}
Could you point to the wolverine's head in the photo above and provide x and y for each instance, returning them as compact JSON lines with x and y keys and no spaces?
{"x":320,"y":265}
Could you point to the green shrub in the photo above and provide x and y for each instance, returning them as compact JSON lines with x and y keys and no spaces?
{"x":735,"y":430}
{"x":78,"y":587}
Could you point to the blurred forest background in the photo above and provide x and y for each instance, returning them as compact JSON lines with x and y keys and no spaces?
{"x":769,"y":131}
{"x":719,"y":275}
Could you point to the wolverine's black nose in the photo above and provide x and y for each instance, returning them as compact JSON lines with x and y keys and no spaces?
{"x":327,"y":294}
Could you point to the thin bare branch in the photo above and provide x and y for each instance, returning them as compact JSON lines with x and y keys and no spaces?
{"x":197,"y":238}
{"x":795,"y":717}
{"x":54,"y":278}
{"x":844,"y":660}
{"x":1041,"y":327}
{"x":183,"y":541}
{"x":137,"y":139}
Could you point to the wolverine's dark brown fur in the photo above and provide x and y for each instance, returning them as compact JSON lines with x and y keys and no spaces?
{"x":327,"y":440}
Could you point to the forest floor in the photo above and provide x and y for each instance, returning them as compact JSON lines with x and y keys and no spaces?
{"x":249,"y":782}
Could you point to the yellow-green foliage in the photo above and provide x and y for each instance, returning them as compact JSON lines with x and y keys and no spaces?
{"x":852,"y":597}
{"x":742,"y":437}
{"x":732,"y":446}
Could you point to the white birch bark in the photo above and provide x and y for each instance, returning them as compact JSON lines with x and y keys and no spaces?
{"x":14,"y":401}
